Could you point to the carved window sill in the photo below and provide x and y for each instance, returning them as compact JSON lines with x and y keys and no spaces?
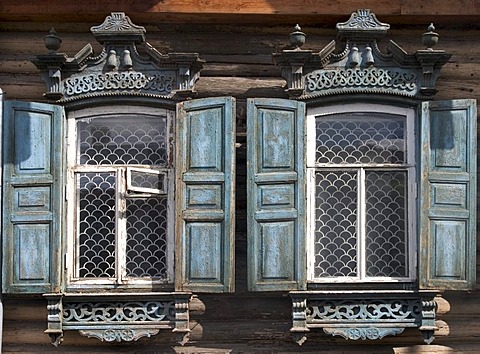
{"x":118,"y":317}
{"x":362,"y":314}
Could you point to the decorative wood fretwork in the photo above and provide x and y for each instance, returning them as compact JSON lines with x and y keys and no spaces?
{"x":355,"y":64}
{"x":362,"y":315}
{"x":119,"y":70}
{"x":118,"y":317}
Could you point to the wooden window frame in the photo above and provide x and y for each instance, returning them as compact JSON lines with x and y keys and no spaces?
{"x":73,"y":281}
{"x":411,"y":205}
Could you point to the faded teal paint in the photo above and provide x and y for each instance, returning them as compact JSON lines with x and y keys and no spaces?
{"x":32,"y":244}
{"x":448,"y":238}
{"x":204,"y":244}
{"x":278,"y":256}
{"x":276,"y":195}
{"x":448,"y":195}
{"x":205,"y":144}
{"x":205,"y":195}
{"x":33,"y":197}
{"x":278,"y":133}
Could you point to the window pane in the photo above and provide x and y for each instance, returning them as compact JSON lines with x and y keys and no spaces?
{"x":96,"y":239}
{"x":360,"y":139}
{"x":335,"y":224}
{"x":386,"y":241}
{"x":147,"y":237}
{"x":122,"y":141}
{"x":146,"y":181}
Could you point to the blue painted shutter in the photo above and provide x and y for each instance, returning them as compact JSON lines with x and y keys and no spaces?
{"x":276,"y":194}
{"x":448,"y":195}
{"x":32,"y":197}
{"x":205,"y":195}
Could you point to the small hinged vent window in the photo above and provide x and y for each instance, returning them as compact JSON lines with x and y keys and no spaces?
{"x":142,"y":180}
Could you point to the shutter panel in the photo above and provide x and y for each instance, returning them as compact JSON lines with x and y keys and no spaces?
{"x":276,"y":194}
{"x":205,"y":198}
{"x":448,"y":195}
{"x":32,"y":197}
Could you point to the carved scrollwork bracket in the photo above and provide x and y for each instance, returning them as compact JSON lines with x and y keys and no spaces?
{"x":362,"y":315}
{"x":118,"y":317}
{"x":355,"y":64}
{"x":119,"y":69}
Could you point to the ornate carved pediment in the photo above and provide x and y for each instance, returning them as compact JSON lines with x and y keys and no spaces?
{"x":354,"y":64}
{"x":119,"y":69}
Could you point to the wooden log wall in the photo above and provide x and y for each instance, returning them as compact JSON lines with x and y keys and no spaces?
{"x":239,"y":64}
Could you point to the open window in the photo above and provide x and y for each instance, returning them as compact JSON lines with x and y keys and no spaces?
{"x":110,"y":191}
{"x":119,"y":197}
{"x":361,"y":188}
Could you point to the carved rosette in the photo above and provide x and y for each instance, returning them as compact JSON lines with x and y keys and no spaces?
{"x":119,"y":70}
{"x":122,"y":335}
{"x":355,"y":65}
{"x":371,"y":333}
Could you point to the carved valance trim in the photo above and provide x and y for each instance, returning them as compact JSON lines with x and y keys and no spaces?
{"x":118,"y":317}
{"x":363,"y":314}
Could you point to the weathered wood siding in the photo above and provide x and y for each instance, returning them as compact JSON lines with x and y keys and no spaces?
{"x":239,"y":64}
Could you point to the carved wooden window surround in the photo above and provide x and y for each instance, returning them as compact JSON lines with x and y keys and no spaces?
{"x":345,"y":89}
{"x":143,"y":178}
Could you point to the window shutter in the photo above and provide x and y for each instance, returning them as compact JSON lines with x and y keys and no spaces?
{"x":448,"y":195}
{"x":32,"y":197}
{"x":205,"y":195}
{"x":276,"y":194}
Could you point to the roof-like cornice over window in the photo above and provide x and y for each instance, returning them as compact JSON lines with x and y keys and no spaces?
{"x":119,"y":69}
{"x":354,"y":64}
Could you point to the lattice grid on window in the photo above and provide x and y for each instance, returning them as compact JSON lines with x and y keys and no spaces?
{"x":360,"y":197}
{"x":97,"y":215}
{"x":121,"y":193}
{"x":146,"y":237}
{"x":122,"y":141}
{"x":386,"y":237}
{"x":336,"y":224}
{"x":360,"y":139}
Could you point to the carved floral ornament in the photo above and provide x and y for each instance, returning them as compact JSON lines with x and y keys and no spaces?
{"x":355,"y":63}
{"x":119,"y":69}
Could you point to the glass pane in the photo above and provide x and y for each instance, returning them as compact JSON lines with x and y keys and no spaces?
{"x":147,"y":237}
{"x":96,"y":224}
{"x":335,"y":224}
{"x":360,"y":139}
{"x":147,"y":181}
{"x":123,"y":141}
{"x":386,"y":241}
